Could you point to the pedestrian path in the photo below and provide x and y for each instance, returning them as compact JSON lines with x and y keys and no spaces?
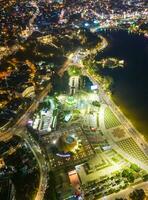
{"x":101,"y":117}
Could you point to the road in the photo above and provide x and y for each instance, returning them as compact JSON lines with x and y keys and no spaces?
{"x":107,"y":99}
{"x":19,"y":129}
{"x":6,"y":135}
{"x":35,"y":147}
{"x":138,"y":138}
{"x":125,"y":122}
{"x":40,"y":158}
{"x":24,"y":118}
{"x":20,"y":124}
{"x":69,"y":61}
{"x":22,"y":121}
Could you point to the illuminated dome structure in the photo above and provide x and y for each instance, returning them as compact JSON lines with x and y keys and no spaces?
{"x":67,"y":143}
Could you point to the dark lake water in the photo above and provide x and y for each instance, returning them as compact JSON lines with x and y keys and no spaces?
{"x":130,"y":86}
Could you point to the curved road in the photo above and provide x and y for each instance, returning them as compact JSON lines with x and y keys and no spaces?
{"x":19,"y":129}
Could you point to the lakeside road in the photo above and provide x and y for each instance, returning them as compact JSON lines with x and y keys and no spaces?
{"x":138,"y":138}
{"x":133,"y":132}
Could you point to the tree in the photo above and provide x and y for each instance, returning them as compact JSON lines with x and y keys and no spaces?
{"x":108,"y":82}
{"x":135,"y":167}
{"x":145,"y":177}
{"x":128,"y":174}
{"x":96,"y":103}
{"x":137,"y":194}
{"x":125,"y":172}
{"x":51,"y":190}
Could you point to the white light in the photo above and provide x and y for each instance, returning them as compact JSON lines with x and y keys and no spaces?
{"x":54,"y":141}
{"x":95,"y":22}
{"x":86,"y":24}
{"x":94,"y":87}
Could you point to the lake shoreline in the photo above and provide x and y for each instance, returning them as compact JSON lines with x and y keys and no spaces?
{"x":130,"y":84}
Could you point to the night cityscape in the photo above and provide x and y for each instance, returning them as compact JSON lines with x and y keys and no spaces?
{"x":73,"y":100}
